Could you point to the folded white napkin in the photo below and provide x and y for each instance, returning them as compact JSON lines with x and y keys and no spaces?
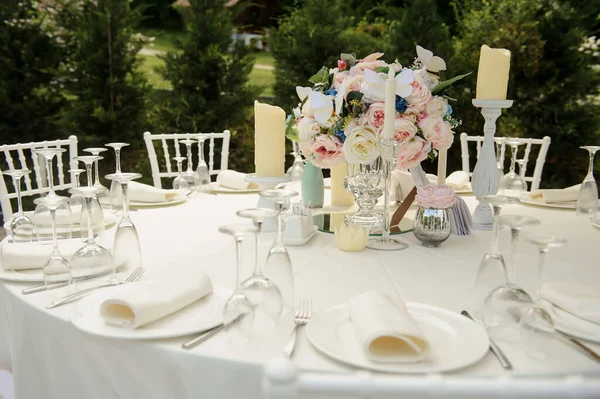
{"x":386,"y":330}
{"x":581,"y":300}
{"x":568,"y":194}
{"x":458,"y":180}
{"x":144,"y":193}
{"x":235,"y":180}
{"x":34,"y":255}
{"x":135,"y":305}
{"x":402,"y":183}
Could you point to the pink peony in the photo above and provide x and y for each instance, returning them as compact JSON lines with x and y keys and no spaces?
{"x":374,"y":116}
{"x":412,"y":152}
{"x":435,"y":197}
{"x":354,"y":83}
{"x":326,"y":151}
{"x":437,"y":131}
{"x":420,"y":96}
{"x":404,"y":129}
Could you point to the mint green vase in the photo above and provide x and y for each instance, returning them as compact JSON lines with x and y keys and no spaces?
{"x":313,"y":187}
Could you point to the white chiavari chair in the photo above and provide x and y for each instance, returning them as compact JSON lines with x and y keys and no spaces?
{"x":23,"y":156}
{"x":533,"y":179}
{"x":168,"y":146}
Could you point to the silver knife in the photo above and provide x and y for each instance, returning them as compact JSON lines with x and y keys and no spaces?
{"x":494,"y":348}
{"x":44,"y":287}
{"x":206,"y":334}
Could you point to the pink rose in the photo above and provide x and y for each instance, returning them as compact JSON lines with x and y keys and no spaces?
{"x":342,"y":65}
{"x":436,"y":197}
{"x":437,"y":131}
{"x":420,"y":95}
{"x":326,"y":151}
{"x":338,"y":79}
{"x":437,"y":106}
{"x":354,"y":83}
{"x":371,"y":61}
{"x":404,"y":129}
{"x":412,"y":152}
{"x":374,"y":116}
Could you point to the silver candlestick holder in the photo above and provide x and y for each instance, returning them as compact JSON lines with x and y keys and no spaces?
{"x":485,"y":179}
{"x":389,"y":150}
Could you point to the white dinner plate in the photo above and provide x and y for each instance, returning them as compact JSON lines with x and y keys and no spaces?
{"x":455,"y":340}
{"x":36,"y":275}
{"x":180,"y":199}
{"x":217,"y":188}
{"x":109,"y":220}
{"x":201,"y":315}
{"x":525,"y":198}
{"x":575,"y":326}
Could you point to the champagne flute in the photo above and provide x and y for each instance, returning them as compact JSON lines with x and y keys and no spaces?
{"x":116,"y":198}
{"x":20,"y":226}
{"x":587,"y":201}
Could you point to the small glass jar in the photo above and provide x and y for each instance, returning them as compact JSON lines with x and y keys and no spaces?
{"x":432,"y":226}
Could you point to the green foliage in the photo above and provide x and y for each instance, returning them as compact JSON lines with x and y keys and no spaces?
{"x":553,"y":85}
{"x":208,"y":72}
{"x":29,"y":59}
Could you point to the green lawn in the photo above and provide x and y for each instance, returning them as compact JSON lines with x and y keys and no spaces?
{"x":163,"y":40}
{"x":261,"y":77}
{"x":264,"y":59}
{"x":149,"y":62}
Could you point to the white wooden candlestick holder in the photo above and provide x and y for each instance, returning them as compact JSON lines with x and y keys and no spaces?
{"x":267,"y":183}
{"x":485,"y":179}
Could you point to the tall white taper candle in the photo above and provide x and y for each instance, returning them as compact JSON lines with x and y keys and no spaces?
{"x":389,"y":109}
{"x":442,"y":163}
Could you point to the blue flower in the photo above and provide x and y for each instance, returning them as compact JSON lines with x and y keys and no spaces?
{"x":340,"y":134}
{"x":401,"y":104}
{"x":331,"y":92}
{"x":448,"y":110}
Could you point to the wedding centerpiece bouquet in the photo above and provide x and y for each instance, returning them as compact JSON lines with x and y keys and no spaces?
{"x":341,"y":116}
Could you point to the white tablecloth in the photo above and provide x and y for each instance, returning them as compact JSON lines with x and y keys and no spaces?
{"x":52,"y":359}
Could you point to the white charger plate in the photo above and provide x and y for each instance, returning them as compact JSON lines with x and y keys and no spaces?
{"x":575,"y":326}
{"x":109,"y":217}
{"x":36,"y":275}
{"x":525,"y":198}
{"x":201,"y":315}
{"x":217,"y":188}
{"x":455,"y":340}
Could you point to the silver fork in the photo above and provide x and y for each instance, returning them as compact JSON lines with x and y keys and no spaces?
{"x":137,"y":273}
{"x":301,"y":318}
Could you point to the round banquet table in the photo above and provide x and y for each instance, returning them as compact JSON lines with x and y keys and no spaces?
{"x":52,"y":359}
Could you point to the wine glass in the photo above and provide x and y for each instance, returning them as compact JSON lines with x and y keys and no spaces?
{"x":126,"y":249}
{"x":76,"y":200}
{"x":20,"y":226}
{"x":238,"y":307}
{"x":91,"y":259}
{"x":499,"y":164}
{"x":116,"y":198}
{"x":264,"y":295}
{"x":97,"y":214}
{"x":492,"y":269}
{"x":365,"y":182}
{"x":587,"y":201}
{"x":178,"y":182}
{"x":63,"y":215}
{"x":504,"y":306}
{"x":512,"y":182}
{"x":278,"y":267}
{"x":189,"y":176}
{"x":101,"y":190}
{"x":202,"y":168}
{"x":57,"y":268}
{"x":297,"y":169}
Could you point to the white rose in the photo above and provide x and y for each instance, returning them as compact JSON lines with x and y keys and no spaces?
{"x":307,"y":129}
{"x":361,"y":145}
{"x":436,"y":107}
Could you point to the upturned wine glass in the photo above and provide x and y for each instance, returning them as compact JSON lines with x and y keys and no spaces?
{"x":100,"y":189}
{"x":116,"y":193}
{"x":264,"y":295}
{"x":504,"y":306}
{"x":492,"y":269}
{"x":189,"y":176}
{"x":76,"y":200}
{"x":278,"y":267}
{"x":63,"y":215}
{"x":202,"y":168}
{"x":21,"y":227}
{"x":91,"y":259}
{"x":127,"y":252}
{"x":297,"y":168}
{"x":178,"y":182}
{"x":512,"y":182}
{"x":238,"y":307}
{"x":365,"y":182}
{"x":587,"y":201}
{"x":57,"y":268}
{"x":97,"y":214}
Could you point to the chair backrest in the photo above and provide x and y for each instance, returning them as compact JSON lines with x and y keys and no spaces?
{"x":171,"y":140}
{"x":23,"y":156}
{"x":534,"y":178}
{"x":284,"y":380}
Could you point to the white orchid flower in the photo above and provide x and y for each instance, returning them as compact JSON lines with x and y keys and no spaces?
{"x":404,"y":83}
{"x":322,"y":106}
{"x":302,"y":92}
{"x":374,"y":85}
{"x":340,"y":96}
{"x":431,"y":62}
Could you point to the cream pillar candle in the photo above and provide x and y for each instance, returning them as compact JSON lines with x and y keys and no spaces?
{"x":269,"y":140}
{"x":389,"y":109}
{"x":492,"y":75}
{"x":442,"y":162}
{"x":351,"y":238}
{"x":339,"y":195}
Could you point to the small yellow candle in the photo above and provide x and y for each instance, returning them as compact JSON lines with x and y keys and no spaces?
{"x":351,"y":238}
{"x":339,"y":195}
{"x":492,"y":76}
{"x":389,"y":115}
{"x":269,"y":140}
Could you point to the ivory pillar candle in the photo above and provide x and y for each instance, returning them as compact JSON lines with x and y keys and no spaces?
{"x":269,"y":140}
{"x":442,"y":162}
{"x":339,"y":195}
{"x":389,"y":109}
{"x":492,"y":75}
